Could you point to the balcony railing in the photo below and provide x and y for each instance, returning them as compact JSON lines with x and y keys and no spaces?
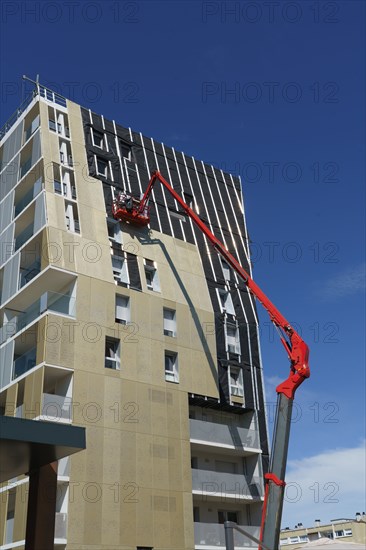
{"x":28,"y":197}
{"x":24,"y":363}
{"x":49,"y":301}
{"x":213,"y":534}
{"x":223,"y":485}
{"x":28,"y":273}
{"x":60,"y":525}
{"x":223,"y":434}
{"x":56,"y":407}
{"x":24,"y":236}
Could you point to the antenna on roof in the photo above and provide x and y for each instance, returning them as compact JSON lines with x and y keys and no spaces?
{"x":36,"y":81}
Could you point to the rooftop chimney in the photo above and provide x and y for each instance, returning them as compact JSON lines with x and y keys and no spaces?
{"x":358,"y":516}
{"x":317,"y":522}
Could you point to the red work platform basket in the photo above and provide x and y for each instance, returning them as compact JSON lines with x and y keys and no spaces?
{"x":127,"y":210}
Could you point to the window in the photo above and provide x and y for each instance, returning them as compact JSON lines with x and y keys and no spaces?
{"x":177,"y":215}
{"x":226,"y":301}
{"x":170,"y":326}
{"x":236,"y":381}
{"x":72,"y":217}
{"x":188,"y":199}
{"x":112,"y":353}
{"x":52,"y":125}
{"x":226,"y":270}
{"x":119,"y":266}
{"x":102,"y":168}
{"x":232,"y":339}
{"x":126,"y":151}
{"x":114,"y":230}
{"x":196,"y":514}
{"x":151,"y":274}
{"x":98,"y":139}
{"x":122,"y":309}
{"x":171,"y":367}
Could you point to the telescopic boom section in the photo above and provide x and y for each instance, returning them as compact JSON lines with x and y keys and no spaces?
{"x":295,"y":347}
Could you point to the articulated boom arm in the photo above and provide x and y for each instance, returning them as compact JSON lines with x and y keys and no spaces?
{"x":295,"y":347}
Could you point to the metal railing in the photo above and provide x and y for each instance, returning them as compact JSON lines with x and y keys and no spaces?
{"x":240,"y":537}
{"x":24,"y":363}
{"x":42,"y":91}
{"x":49,"y":301}
{"x":225,"y":434}
{"x":213,"y":535}
{"x":224,"y":484}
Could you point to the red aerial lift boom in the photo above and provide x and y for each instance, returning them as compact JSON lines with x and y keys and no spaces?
{"x":129,"y":209}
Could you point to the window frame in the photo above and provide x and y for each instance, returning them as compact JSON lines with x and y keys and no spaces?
{"x":173,"y":321}
{"x":239,"y":386}
{"x":150,"y":267}
{"x":105,"y":173}
{"x":117,"y":359}
{"x":103,"y":140}
{"x":235,"y":349}
{"x":123,"y":278}
{"x":171,"y":375}
{"x":127,"y":319}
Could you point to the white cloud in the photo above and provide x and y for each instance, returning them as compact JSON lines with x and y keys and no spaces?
{"x":325,"y":486}
{"x":348,"y":282}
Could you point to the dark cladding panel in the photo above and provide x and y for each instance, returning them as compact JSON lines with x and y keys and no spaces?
{"x":216,"y":194}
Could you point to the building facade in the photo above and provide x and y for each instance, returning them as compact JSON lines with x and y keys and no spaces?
{"x":142,"y":335}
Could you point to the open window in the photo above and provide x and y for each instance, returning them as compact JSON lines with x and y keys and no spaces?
{"x":112,"y":353}
{"x":170,"y":325}
{"x":171,"y":367}
{"x":226,"y":270}
{"x":226,"y":302}
{"x":122,"y":309}
{"x":151,"y":274}
{"x":102,"y":168}
{"x":236,"y":381}
{"x":119,"y":266}
{"x":232,"y":339}
{"x":98,"y":139}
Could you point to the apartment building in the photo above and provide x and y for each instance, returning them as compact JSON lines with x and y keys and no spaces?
{"x":342,"y":530}
{"x":143,"y":336}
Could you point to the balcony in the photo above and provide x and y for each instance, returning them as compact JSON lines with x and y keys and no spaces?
{"x":28,"y":197}
{"x":224,"y":485}
{"x":216,"y":434}
{"x":24,"y":363}
{"x":49,"y":301}
{"x":28,"y":273}
{"x":56,"y":407}
{"x":24,"y":236}
{"x":212,"y":535}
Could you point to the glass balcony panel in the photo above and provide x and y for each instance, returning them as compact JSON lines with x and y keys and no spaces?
{"x":24,"y":236}
{"x":213,"y":534}
{"x":28,"y":197}
{"x":28,"y":273}
{"x":56,"y":407}
{"x":9,"y":530}
{"x":24,"y":363}
{"x":218,"y":484}
{"x":51,"y":301}
{"x":224,"y":434}
{"x":60,"y":526}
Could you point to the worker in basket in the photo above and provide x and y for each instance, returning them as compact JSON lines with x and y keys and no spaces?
{"x":128,"y":202}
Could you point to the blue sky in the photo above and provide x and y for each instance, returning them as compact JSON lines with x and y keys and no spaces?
{"x":272,"y":91}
